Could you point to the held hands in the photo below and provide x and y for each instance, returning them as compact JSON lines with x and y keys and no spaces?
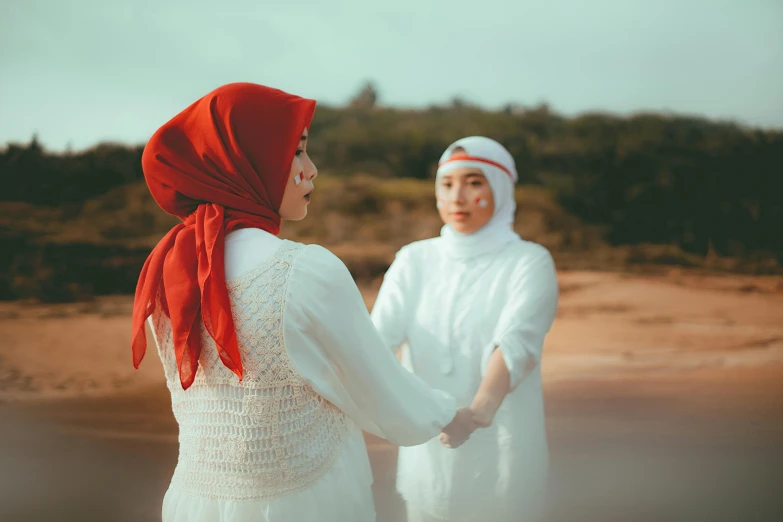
{"x":467,"y":420}
{"x":493,"y":389}
{"x":459,"y":430}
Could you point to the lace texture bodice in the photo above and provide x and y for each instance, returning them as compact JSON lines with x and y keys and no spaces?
{"x":266,"y":436}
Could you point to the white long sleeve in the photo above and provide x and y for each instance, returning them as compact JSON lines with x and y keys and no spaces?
{"x":390,"y":313}
{"x":333,"y":344}
{"x":526,"y":317}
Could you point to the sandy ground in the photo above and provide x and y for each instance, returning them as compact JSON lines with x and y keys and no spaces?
{"x":664,"y":399}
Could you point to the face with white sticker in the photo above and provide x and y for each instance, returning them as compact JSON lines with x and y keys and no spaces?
{"x":464,"y":199}
{"x":300,"y":186}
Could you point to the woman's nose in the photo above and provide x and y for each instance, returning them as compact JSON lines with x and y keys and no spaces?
{"x":312,"y":172}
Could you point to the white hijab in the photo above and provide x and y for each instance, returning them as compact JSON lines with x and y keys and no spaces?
{"x":497,"y":165}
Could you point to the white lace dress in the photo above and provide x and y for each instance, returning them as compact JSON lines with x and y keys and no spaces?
{"x":286,"y":443}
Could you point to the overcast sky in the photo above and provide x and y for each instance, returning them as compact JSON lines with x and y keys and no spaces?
{"x":78,"y":72}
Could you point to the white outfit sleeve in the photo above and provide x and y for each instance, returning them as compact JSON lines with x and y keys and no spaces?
{"x":390,"y":313}
{"x":526,"y":318}
{"x":333,"y":344}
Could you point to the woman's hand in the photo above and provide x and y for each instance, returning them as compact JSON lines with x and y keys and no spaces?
{"x":459,"y":429}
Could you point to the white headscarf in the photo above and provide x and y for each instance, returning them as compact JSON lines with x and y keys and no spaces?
{"x":498,"y":166}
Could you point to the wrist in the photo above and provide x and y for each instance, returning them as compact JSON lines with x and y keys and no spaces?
{"x":483,"y":408}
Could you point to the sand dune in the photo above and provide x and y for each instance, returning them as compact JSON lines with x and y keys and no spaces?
{"x":608,"y":325}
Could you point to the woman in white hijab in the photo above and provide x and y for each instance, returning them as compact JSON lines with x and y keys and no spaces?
{"x":473,"y":307}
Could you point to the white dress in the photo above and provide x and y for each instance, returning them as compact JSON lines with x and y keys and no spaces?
{"x":285,"y":444}
{"x":452,"y":314}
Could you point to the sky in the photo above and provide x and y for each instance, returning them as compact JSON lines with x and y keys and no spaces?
{"x":79,"y":72}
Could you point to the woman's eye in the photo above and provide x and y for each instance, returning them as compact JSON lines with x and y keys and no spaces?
{"x":475,"y":183}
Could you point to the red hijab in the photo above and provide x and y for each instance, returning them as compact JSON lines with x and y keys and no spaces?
{"x":220,"y":165}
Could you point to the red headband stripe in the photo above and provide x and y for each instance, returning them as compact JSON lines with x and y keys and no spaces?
{"x":480,"y":160}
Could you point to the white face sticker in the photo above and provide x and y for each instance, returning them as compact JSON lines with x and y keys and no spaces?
{"x":298,"y":178}
{"x":482,"y":203}
{"x":439,"y":204}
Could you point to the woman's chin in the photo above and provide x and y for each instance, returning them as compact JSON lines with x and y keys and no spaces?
{"x":299,"y":216}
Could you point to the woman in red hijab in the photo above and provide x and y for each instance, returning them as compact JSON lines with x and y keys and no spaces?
{"x":273,"y":364}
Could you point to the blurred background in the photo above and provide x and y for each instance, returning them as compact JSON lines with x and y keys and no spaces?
{"x":649,"y":141}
